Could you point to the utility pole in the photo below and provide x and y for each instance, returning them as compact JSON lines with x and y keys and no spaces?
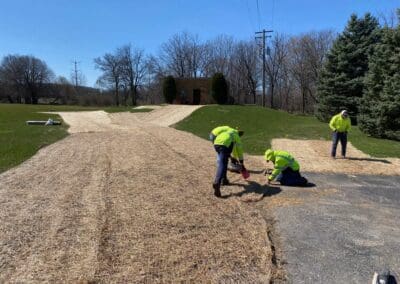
{"x":76,"y":71}
{"x":263,"y":32}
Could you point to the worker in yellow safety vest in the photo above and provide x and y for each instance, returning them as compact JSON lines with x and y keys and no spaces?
{"x":286,"y":168}
{"x":234,"y":158}
{"x":217,"y":130}
{"x":224,"y":143}
{"x":340,"y":124}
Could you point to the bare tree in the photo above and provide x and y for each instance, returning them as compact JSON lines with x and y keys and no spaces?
{"x":134,"y":68}
{"x":245,"y":66}
{"x":217,"y":56}
{"x":390,"y":19}
{"x":274,"y":63}
{"x":110,"y":65}
{"x":307,"y":54}
{"x":181,"y":55}
{"x":152,"y":87}
{"x":26,"y":74}
{"x":78,"y":78}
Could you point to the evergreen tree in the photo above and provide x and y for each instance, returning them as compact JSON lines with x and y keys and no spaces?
{"x":169,"y":89}
{"x":341,"y":81}
{"x":219,"y":88}
{"x":380,"y":107}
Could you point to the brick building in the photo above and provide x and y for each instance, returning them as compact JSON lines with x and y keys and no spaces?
{"x":193,"y":91}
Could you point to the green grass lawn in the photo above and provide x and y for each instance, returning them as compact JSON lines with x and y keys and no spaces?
{"x":261,"y":125}
{"x":19,"y":141}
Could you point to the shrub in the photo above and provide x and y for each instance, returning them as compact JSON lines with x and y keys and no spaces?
{"x":169,"y":89}
{"x":219,"y":88}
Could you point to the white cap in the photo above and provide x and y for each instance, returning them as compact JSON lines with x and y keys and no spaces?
{"x":344,"y":113}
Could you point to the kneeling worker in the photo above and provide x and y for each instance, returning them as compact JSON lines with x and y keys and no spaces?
{"x":286,"y":168}
{"x":224,"y":143}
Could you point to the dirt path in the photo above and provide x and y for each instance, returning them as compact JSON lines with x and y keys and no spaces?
{"x":313,"y":156}
{"x":123,"y":199}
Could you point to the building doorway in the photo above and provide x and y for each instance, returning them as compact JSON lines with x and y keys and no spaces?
{"x":196,"y":96}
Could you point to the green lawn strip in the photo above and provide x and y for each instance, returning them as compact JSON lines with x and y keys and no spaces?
{"x":19,"y":141}
{"x":262,"y":125}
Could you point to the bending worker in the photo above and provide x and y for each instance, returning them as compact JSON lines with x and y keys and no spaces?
{"x":340,"y":125}
{"x":286,"y":168}
{"x":234,"y":155}
{"x":218,"y":130}
{"x":224,"y":143}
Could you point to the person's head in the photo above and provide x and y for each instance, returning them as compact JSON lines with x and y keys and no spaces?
{"x":344,"y":113}
{"x":269,"y":155}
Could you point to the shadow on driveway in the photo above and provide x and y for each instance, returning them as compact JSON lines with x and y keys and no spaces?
{"x":255,"y":187}
{"x":369,"y":160}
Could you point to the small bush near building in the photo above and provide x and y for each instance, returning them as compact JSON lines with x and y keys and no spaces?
{"x":169,"y":89}
{"x":219,"y":88}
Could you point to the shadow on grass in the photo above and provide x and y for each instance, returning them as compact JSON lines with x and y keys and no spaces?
{"x":254,"y":187}
{"x":369,"y":160}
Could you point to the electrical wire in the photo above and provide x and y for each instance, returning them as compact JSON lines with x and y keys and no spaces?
{"x":249,"y":16}
{"x":258,"y":15}
{"x":272,"y":16}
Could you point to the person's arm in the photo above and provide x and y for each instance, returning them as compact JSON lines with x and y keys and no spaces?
{"x":278,"y":167}
{"x":348,"y":126}
{"x":332,"y":123}
{"x":238,"y":148}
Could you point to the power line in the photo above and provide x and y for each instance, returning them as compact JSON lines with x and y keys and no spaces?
{"x":258,"y":15}
{"x":273,"y":11}
{"x":249,"y":16}
{"x":264,"y":36}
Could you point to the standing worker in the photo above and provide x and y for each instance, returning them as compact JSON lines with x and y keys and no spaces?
{"x":224,"y":143}
{"x":286,"y":168}
{"x":340,"y":125}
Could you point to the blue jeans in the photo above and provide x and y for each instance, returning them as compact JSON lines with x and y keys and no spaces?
{"x":336,"y":137}
{"x":223,"y":153}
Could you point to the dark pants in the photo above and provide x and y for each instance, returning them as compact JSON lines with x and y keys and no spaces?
{"x":291,"y":178}
{"x":223,"y":153}
{"x":336,"y":137}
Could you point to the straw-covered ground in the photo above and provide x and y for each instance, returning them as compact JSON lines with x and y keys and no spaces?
{"x":126,"y":199}
{"x":123,"y":199}
{"x":314,"y":156}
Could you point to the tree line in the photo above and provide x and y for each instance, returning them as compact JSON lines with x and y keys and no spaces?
{"x":361,"y":73}
{"x":318,"y":72}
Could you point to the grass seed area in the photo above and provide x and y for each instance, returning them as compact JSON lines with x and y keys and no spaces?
{"x":261,"y":125}
{"x":19,"y":141}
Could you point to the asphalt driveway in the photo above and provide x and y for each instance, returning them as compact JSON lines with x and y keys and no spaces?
{"x":342,"y":230}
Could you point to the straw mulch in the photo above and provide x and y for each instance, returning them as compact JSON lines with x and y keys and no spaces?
{"x":131,"y":203}
{"x":314,"y":156}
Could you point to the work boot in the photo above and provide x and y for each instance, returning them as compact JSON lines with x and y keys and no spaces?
{"x":225,"y":181}
{"x":216,"y":187}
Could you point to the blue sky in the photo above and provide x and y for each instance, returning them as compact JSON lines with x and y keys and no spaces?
{"x":60,"y":31}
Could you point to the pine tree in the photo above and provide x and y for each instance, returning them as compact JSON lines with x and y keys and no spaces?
{"x":341,"y":81}
{"x":380,"y":107}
